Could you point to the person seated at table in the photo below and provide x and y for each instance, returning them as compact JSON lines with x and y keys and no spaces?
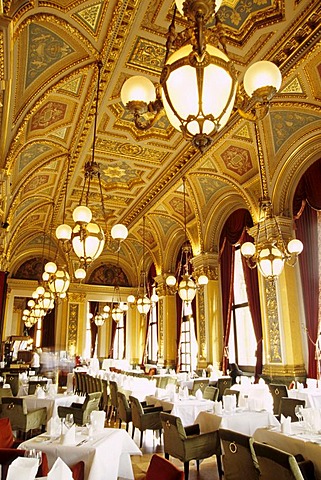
{"x":235,"y":372}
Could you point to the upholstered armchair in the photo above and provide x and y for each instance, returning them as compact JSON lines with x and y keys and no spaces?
{"x":274,"y":463}
{"x":124,"y":410}
{"x":239,"y":456}
{"x":22,"y":420}
{"x":161,"y":469}
{"x":222,"y":384}
{"x":81,"y":411}
{"x":145,"y":418}
{"x":199,"y":384}
{"x":13,"y":380}
{"x":188,"y":443}
{"x":287,"y":407}
{"x":277,"y":391}
{"x":113,"y":387}
{"x":210,"y":393}
{"x":7,"y":440}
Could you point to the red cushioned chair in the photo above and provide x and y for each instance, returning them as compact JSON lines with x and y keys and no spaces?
{"x":78,"y":471}
{"x":7,"y":439}
{"x":8,"y":455}
{"x":162,"y":469}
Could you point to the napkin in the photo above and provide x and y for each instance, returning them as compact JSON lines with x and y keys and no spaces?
{"x":23,"y":467}
{"x":199,"y":394}
{"x":286,"y":426}
{"x":40,"y":393}
{"x":97,"y":419}
{"x":218,"y":408}
{"x":59,"y":471}
{"x":69,"y":436}
{"x":53,"y":427}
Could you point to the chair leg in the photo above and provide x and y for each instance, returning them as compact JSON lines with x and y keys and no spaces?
{"x":167,"y":456}
{"x":133,"y":432}
{"x":127,"y":425}
{"x":198,"y":465}
{"x":119,"y":423}
{"x":186,"y":470}
{"x":141,"y":439}
{"x":219,"y":466}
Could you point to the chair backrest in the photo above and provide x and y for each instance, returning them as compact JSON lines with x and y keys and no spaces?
{"x":199,"y":384}
{"x":124,"y":410}
{"x":230,"y":391}
{"x":33,"y":384}
{"x":13,"y":380}
{"x":287,"y":407}
{"x":113,"y":393}
{"x":277,"y":391}
{"x":222,"y":384}
{"x":239,"y":455}
{"x":162,"y":469}
{"x":6,"y":434}
{"x":137,"y":411}
{"x":174,"y":435}
{"x":11,"y":406}
{"x":275,"y":463}
{"x":90,"y":404}
{"x":210,"y":393}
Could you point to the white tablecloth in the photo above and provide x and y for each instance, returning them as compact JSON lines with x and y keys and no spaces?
{"x":187,"y":409}
{"x":51,"y":404}
{"x":242,"y":421}
{"x":107,"y":456}
{"x":312,"y":396}
{"x":308,"y":445}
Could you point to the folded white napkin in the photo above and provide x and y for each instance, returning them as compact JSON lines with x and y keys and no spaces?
{"x":54,"y":427}
{"x":40,"y":393}
{"x":97,"y":419}
{"x":23,"y":468}
{"x":59,"y":471}
{"x":218,"y":408}
{"x":261,"y":381}
{"x":69,"y":436}
{"x":199,"y":394}
{"x":286,"y":426}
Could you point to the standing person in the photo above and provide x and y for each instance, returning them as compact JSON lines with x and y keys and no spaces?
{"x":35,"y":361}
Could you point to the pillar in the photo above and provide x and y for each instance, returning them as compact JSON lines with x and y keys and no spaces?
{"x":167,"y":325}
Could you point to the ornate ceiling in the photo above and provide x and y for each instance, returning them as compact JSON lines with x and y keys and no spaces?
{"x":49,"y":52}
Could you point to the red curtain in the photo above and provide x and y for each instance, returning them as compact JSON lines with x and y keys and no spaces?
{"x":112,"y":338}
{"x":307,"y":200}
{"x":234,"y":232}
{"x":93,"y":308}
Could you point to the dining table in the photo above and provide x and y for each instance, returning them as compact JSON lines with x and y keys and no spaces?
{"x":297,"y":441}
{"x":51,"y":402}
{"x":242,"y":421}
{"x":106,"y":454}
{"x":311,"y":396}
{"x":185,"y":408}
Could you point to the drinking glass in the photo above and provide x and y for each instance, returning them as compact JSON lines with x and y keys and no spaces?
{"x":33,"y":453}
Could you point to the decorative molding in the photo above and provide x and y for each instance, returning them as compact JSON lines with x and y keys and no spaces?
{"x":274,"y":340}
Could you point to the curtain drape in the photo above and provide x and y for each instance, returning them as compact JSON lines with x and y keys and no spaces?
{"x":150,"y":282}
{"x":3,"y":296}
{"x":306,"y":201}
{"x":48,"y":329}
{"x":234,"y":231}
{"x":112,"y":338}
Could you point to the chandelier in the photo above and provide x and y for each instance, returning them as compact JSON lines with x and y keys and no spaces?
{"x":143,"y":300}
{"x":87,"y":238}
{"x":183,"y":281}
{"x":198,"y":84}
{"x":270,"y":251}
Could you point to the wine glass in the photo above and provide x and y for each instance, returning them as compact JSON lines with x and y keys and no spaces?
{"x":69,"y":420}
{"x":298,"y":412}
{"x":33,"y":453}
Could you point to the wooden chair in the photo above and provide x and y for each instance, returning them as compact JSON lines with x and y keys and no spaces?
{"x":210,"y":393}
{"x":188,"y":443}
{"x":239,"y":455}
{"x":124,"y":410}
{"x":222,"y":384}
{"x":230,"y":391}
{"x":199,"y":384}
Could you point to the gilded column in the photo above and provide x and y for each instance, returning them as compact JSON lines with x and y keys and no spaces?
{"x":76,"y":323}
{"x":167,"y":325}
{"x":134,"y":340}
{"x":209,"y":308}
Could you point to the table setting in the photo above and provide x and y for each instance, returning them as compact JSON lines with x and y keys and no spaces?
{"x":101,"y":449}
